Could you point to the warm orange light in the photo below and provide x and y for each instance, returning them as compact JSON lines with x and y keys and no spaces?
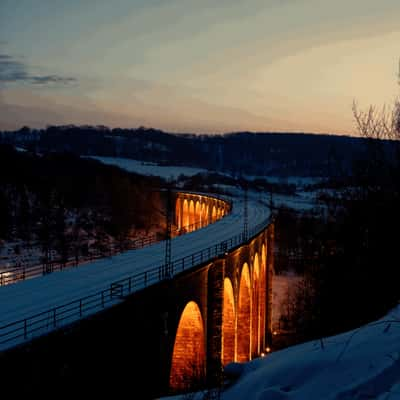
{"x":228,"y":324}
{"x":189,"y":354}
{"x":244,"y":316}
{"x":267,"y":349}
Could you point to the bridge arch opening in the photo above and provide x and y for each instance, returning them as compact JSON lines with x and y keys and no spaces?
{"x":188,"y":357}
{"x":191,"y":215}
{"x":228,"y":324}
{"x":178,"y":216}
{"x":185,"y":216}
{"x":197,"y":214}
{"x":243,"y":317}
{"x":203,"y":214}
{"x":256,"y":307}
{"x":214,"y":214}
{"x":263,"y":294}
{"x":206,"y":214}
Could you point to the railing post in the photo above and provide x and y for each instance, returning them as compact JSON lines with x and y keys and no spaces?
{"x":25,"y":329}
{"x":129,"y":284}
{"x":102,"y":298}
{"x":54,"y":317}
{"x":80,"y":308}
{"x":145,"y":278}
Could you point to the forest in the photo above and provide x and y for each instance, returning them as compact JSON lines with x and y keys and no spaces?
{"x":74,"y":207}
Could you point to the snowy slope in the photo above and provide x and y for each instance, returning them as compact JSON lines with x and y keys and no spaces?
{"x":360,"y":364}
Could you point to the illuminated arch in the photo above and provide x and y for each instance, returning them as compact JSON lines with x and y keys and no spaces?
{"x":255,"y":323}
{"x":197,"y":214}
{"x":203,"y":214}
{"x":214,"y":214}
{"x":243,"y":316}
{"x":228,"y":324}
{"x":188,"y":357}
{"x":206,"y":214}
{"x":263,"y":294}
{"x":178,"y":216}
{"x":191,"y":215}
{"x":185,"y":216}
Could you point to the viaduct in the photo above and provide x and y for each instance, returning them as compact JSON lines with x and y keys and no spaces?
{"x":162,"y":337}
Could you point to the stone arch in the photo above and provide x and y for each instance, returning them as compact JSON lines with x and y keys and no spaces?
{"x":203,"y":214}
{"x":197,"y":212}
{"x":263,"y":294}
{"x":244,"y":316}
{"x":213,"y":214}
{"x":185,"y":216}
{"x":256,"y":307}
{"x":188,"y":357}
{"x":228,"y":324}
{"x":191,"y":215}
{"x":178,"y":216}
{"x":206,"y":213}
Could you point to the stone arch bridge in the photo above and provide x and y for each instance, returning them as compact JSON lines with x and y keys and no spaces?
{"x":215,"y":308}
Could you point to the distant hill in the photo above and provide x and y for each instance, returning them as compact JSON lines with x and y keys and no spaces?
{"x":269,"y":153}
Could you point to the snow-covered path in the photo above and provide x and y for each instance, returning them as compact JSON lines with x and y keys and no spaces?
{"x":24,"y":299}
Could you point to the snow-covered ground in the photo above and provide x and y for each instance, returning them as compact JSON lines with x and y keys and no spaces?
{"x":145,"y":168}
{"x":360,"y":364}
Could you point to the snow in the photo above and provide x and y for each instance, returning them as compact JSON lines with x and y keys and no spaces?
{"x":360,"y":364}
{"x":146,"y":168}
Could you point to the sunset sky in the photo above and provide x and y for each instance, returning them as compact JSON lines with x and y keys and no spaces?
{"x":197,"y":65}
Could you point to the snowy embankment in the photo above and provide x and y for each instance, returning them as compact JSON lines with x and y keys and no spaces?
{"x":360,"y":364}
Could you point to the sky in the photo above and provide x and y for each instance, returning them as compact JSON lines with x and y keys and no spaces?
{"x":197,"y":66}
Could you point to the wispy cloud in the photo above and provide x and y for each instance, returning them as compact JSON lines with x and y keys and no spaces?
{"x":12,"y":70}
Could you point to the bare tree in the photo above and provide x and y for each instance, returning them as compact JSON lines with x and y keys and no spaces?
{"x":379,"y":123}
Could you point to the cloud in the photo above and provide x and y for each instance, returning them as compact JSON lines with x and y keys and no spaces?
{"x":12,"y":70}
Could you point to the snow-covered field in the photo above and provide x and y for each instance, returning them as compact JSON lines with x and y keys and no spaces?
{"x":144,"y":168}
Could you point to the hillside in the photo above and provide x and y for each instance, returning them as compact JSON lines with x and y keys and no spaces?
{"x":279,"y":154}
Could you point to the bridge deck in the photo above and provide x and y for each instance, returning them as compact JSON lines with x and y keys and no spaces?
{"x":29,"y":297}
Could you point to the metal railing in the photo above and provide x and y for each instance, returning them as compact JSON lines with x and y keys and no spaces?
{"x":44,"y":322}
{"x":22,"y":272}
